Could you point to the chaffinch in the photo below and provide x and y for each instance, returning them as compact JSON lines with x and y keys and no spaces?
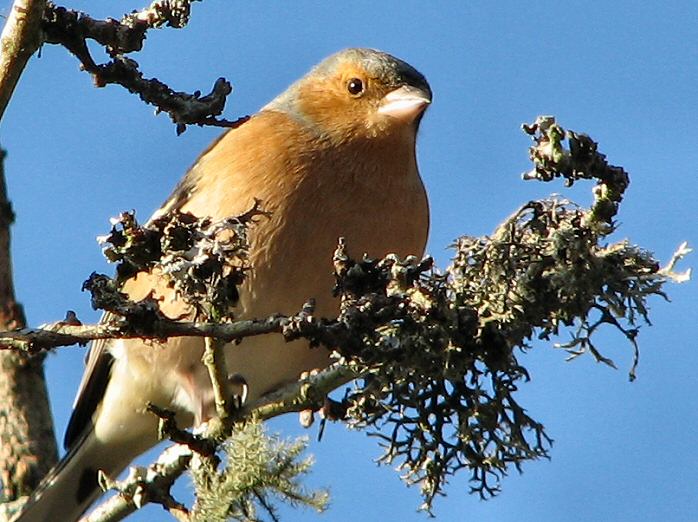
{"x":334,"y":155}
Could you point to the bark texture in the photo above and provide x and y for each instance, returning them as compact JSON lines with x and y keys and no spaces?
{"x":27,"y":443}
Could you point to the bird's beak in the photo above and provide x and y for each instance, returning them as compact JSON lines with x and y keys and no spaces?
{"x":404,"y":103}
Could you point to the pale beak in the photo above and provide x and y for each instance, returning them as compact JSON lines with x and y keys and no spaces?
{"x":404,"y":103}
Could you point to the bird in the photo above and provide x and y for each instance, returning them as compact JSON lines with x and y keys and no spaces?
{"x":332,"y":156}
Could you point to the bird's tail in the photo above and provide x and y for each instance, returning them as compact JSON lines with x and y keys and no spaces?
{"x":71,"y":486}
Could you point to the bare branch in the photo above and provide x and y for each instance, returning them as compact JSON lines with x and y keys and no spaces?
{"x":669,"y":270}
{"x":118,"y":36}
{"x":71,"y":29}
{"x":34,"y":340}
{"x":20,"y":39}
{"x":27,"y":443}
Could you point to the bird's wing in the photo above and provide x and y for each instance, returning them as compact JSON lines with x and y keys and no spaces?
{"x":98,"y":361}
{"x":92,"y":387}
{"x":226,"y":176}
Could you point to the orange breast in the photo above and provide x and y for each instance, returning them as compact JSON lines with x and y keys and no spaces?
{"x":369,"y":193}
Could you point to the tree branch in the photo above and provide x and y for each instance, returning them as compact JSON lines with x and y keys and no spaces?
{"x":72,"y":29}
{"x":118,"y":36}
{"x":20,"y":39}
{"x":27,"y":443}
{"x":33,"y":340}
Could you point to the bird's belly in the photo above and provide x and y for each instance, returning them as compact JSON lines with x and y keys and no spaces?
{"x":288,"y":270}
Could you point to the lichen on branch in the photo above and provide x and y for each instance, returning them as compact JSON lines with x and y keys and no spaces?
{"x":439,"y":352}
{"x":257,"y":468}
{"x":435,"y":355}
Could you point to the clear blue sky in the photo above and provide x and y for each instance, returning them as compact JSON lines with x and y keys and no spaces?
{"x":625,"y":72}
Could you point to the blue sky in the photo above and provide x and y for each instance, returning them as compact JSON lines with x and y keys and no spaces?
{"x":625,"y":73}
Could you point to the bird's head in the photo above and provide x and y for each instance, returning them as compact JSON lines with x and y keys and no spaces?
{"x":358,"y":94}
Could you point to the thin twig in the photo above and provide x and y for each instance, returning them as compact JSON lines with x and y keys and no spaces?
{"x":214,"y":360}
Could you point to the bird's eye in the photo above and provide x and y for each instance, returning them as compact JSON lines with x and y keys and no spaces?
{"x":355,"y":86}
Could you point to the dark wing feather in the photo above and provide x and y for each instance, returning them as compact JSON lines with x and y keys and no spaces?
{"x":92,"y":387}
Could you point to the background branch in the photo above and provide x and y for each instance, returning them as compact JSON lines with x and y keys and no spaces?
{"x":20,"y":39}
{"x":27,"y":442}
{"x":72,"y":29}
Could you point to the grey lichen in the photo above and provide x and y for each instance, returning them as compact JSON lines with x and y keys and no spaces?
{"x":437,"y":352}
{"x":257,"y":469}
{"x":440,"y":355}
